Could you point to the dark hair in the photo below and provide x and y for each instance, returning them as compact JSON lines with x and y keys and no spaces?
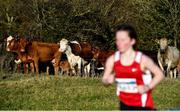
{"x":126,"y":27}
{"x":131,"y":31}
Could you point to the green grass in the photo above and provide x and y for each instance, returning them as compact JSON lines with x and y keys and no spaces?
{"x":18,"y":92}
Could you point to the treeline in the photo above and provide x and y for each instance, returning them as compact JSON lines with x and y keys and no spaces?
{"x":90,"y":20}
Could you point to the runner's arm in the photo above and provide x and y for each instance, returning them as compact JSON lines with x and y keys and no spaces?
{"x":108,"y":76}
{"x":148,"y":63}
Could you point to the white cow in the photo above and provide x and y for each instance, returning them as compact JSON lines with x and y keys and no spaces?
{"x":72,"y":58}
{"x":168,"y":56}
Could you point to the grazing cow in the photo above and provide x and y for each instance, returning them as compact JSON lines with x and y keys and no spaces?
{"x":38,"y":51}
{"x":83,"y":50}
{"x":167,"y":56}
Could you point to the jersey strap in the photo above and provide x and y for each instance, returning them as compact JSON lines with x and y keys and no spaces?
{"x":116,"y":56}
{"x":138,"y":57}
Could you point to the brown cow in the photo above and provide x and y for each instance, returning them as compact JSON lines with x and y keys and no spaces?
{"x":25,"y":59}
{"x":13,"y":45}
{"x":101,"y":55}
{"x":38,"y":51}
{"x":43,"y":52}
{"x":65,"y":67}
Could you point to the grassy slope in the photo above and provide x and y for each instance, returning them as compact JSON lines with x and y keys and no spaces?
{"x":18,"y":92}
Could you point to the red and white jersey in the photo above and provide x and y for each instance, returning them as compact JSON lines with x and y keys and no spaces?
{"x":128,"y":78}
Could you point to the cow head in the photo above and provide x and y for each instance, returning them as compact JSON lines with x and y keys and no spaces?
{"x":163,"y":43}
{"x":95,"y":52}
{"x":11,"y":44}
{"x":63,"y":45}
{"x":23,"y":43}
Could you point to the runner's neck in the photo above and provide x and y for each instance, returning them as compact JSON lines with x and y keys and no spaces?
{"x":130,"y":53}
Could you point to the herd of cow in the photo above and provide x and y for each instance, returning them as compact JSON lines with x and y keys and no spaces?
{"x":82,"y":58}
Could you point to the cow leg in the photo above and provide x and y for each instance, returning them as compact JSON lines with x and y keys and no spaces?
{"x":160,"y":64}
{"x":18,"y":67}
{"x":87,"y":69}
{"x":37,"y":68}
{"x":73,"y":68}
{"x":82,"y":70}
{"x":92,"y":67}
{"x":47,"y":72}
{"x":56,"y":65}
{"x":56,"y":68}
{"x":169,"y":66}
{"x":32,"y":68}
{"x":175,"y":71}
{"x":60,"y":70}
{"x":74,"y":71}
{"x":171,"y":74}
{"x":66,"y":72}
{"x":25,"y":69}
{"x":69,"y":72}
{"x":79,"y":67}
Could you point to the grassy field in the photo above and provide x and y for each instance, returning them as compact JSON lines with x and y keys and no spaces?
{"x":18,"y":92}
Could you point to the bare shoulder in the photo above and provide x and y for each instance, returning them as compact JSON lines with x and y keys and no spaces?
{"x":110,"y":60}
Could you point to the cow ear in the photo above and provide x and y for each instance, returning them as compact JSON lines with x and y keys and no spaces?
{"x":169,"y":41}
{"x":157,"y":41}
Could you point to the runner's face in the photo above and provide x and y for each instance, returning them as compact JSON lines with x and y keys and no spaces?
{"x":123,"y":41}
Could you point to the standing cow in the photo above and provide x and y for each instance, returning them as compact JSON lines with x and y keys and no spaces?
{"x":37,"y":51}
{"x":101,"y":55}
{"x":83,"y":50}
{"x":13,"y":45}
{"x":168,"y":56}
{"x":74,"y":60}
